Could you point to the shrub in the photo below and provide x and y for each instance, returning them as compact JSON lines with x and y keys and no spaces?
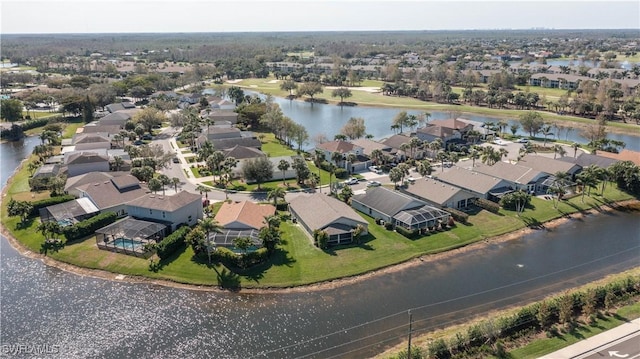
{"x":341,"y":173}
{"x":388,"y":226}
{"x":46,"y":202}
{"x":172,"y":242}
{"x":457,"y":215}
{"x":411,"y":234}
{"x":282,"y":206}
{"x":89,"y":226}
{"x":488,"y":205}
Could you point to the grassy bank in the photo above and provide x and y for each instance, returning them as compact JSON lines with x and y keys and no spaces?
{"x":365,"y":98}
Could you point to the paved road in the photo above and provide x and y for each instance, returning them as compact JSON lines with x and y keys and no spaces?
{"x":619,"y":342}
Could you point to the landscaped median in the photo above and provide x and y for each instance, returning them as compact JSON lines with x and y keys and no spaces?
{"x":297,"y":261}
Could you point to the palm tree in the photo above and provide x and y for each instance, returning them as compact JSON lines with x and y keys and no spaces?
{"x":117,"y":163}
{"x":414,"y":144}
{"x":575,"y":147}
{"x":175,"y":181}
{"x":377,"y":156}
{"x":209,"y":225}
{"x":442,"y":156}
{"x":474,"y":154}
{"x":336,"y":157}
{"x":558,"y":149}
{"x":154,"y":185}
{"x":351,"y":158}
{"x":546,"y":131}
{"x":202,"y":188}
{"x":424,"y":168}
{"x":205,"y":150}
{"x":283,"y":166}
{"x":275,"y":194}
{"x":164,"y":180}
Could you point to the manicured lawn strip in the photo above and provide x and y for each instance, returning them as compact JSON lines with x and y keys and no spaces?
{"x":196,"y":172}
{"x":549,"y":345}
{"x":274,"y":148}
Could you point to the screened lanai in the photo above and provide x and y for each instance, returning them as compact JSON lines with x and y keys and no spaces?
{"x":129,"y":236}
{"x":226,"y":236}
{"x":422,"y":217}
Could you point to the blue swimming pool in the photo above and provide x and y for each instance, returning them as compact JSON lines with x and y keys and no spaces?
{"x":65,"y":222}
{"x":127,"y":243}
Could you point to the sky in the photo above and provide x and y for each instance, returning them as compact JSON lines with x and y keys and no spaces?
{"x":151,"y":16}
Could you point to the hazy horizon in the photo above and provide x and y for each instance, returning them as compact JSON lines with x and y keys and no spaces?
{"x":42,"y":17}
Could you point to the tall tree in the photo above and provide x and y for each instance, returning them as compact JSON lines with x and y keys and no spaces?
{"x":354,"y":128}
{"x":341,"y":92}
{"x":258,"y":170}
{"x":531,"y":122}
{"x":283,"y":166}
{"x":208,"y":226}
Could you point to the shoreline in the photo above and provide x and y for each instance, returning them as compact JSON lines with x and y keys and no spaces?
{"x":572,"y":122}
{"x":319,"y":286}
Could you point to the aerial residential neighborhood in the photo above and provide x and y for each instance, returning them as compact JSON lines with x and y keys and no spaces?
{"x":351,"y":181}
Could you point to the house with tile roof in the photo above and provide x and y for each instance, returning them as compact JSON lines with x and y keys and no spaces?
{"x":344,"y":148}
{"x":624,"y":155}
{"x":181,"y":208}
{"x":244,"y":215}
{"x":321,"y":212}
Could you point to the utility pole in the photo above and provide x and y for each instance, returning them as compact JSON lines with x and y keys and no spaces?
{"x":409,"y":345}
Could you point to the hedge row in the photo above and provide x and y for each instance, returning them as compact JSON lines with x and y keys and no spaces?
{"x":459,"y":216}
{"x":478,"y":339}
{"x":43,"y":203}
{"x":88,"y":226}
{"x":245,"y":260}
{"x":488,"y":205}
{"x":411,"y":234}
{"x":172,"y":242}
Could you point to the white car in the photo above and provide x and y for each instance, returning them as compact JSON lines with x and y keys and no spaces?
{"x":351,"y":181}
{"x":374,"y":184}
{"x":523,"y":140}
{"x":375,"y":169}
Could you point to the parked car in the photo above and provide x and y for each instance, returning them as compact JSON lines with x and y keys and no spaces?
{"x":175,"y":160}
{"x":523,"y":140}
{"x":375,"y":169}
{"x":147,"y":137}
{"x":411,"y":179}
{"x":374,"y":184}
{"x":351,"y":181}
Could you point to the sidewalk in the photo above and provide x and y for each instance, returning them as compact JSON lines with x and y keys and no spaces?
{"x":587,"y":346}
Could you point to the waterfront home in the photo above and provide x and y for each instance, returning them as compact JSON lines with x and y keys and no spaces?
{"x":439,"y":194}
{"x":113,"y":194}
{"x":91,"y":141}
{"x":68,"y":213}
{"x":92,"y":177}
{"x":398,"y":209}
{"x":321,"y":212}
{"x":241,"y":219}
{"x":118,"y":118}
{"x":480,"y":184}
{"x":344,"y":148}
{"x":549,"y":165}
{"x":181,"y":208}
{"x":129,"y":236}
{"x":587,"y":159}
{"x":447,"y":130}
{"x":244,"y":215}
{"x":518,"y":177}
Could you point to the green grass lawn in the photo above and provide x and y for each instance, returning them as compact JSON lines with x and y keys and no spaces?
{"x":363,"y":98}
{"x":541,"y":347}
{"x":273,"y":147}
